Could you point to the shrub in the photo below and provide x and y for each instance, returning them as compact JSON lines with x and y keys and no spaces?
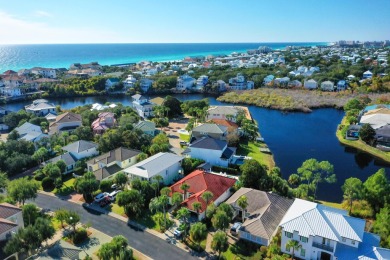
{"x":39,"y":175}
{"x":47,"y":183}
{"x":80,"y":236}
{"x":79,"y":170}
{"x":230,"y":171}
{"x":105,"y":185}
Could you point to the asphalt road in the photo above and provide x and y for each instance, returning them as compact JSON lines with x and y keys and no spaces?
{"x":148,"y":244}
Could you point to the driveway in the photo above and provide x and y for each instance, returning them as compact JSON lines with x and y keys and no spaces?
{"x":148,"y":244}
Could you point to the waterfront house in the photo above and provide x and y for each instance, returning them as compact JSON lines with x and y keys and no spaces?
{"x":212,"y":130}
{"x":327,"y":86}
{"x":92,"y":65}
{"x":11,"y":220}
{"x":143,"y":106}
{"x":353,"y":132}
{"x":30,"y":132}
{"x":98,"y":106}
{"x":376,"y":117}
{"x":310,"y":84}
{"x":227,"y":123}
{"x":41,"y":107}
{"x":201,"y":82}
{"x":129,"y":82}
{"x":145,"y":84}
{"x":212,"y":151}
{"x":326,"y":233}
{"x":105,"y":121}
{"x":220,"y":85}
{"x":262,"y":215}
{"x":109,"y":164}
{"x":167,"y":165}
{"x":44,"y":72}
{"x":226,"y":112}
{"x":382,"y":138}
{"x":268,"y":80}
{"x":65,"y":122}
{"x":199,"y":182}
{"x":147,"y":127}
{"x":111,"y":82}
{"x":367,"y":75}
{"x":341,"y":85}
{"x":185,"y":82}
{"x":74,"y":152}
{"x":237,"y":83}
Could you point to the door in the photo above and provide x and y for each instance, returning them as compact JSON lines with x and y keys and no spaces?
{"x":325,"y":256}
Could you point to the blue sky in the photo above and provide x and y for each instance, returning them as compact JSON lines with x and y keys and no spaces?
{"x":167,"y":21}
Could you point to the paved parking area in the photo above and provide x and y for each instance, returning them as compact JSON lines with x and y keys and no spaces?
{"x":173,"y":134}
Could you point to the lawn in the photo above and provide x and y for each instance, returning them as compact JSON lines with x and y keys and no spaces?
{"x":331,"y":204}
{"x":251,"y":149}
{"x":185,"y":137}
{"x":242,"y":250}
{"x":116,"y":209}
{"x":194,"y":246}
{"x":66,"y":189}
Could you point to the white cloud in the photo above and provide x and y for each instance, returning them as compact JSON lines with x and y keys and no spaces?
{"x":40,"y":13}
{"x":20,"y":31}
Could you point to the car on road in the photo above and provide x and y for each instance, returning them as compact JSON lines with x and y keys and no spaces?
{"x":235,"y":228}
{"x":101,"y":196}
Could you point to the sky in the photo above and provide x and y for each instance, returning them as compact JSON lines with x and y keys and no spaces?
{"x":192,"y":21}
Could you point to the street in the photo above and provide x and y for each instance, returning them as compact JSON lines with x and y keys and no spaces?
{"x":148,"y":244}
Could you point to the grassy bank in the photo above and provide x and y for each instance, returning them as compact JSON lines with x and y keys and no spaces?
{"x":251,"y":149}
{"x":362,"y":146}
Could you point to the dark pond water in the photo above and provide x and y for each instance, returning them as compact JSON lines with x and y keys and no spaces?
{"x":292,"y":137}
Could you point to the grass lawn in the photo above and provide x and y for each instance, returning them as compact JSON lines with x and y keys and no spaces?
{"x":251,"y":149}
{"x":184,"y":137}
{"x":66,"y":189}
{"x":243,"y":250}
{"x":116,"y":209}
{"x":331,"y":204}
{"x":194,"y":246}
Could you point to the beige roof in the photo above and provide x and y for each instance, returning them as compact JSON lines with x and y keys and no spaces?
{"x":382,"y":110}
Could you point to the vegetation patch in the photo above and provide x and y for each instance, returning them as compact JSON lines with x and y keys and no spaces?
{"x":242,"y":250}
{"x":252,"y":149}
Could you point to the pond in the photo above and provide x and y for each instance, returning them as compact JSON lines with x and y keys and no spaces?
{"x":292,"y":138}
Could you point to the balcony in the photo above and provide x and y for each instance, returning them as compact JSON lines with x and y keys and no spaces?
{"x":323,"y":247}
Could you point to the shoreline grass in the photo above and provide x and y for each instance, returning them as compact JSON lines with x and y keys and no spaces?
{"x":251,"y":149}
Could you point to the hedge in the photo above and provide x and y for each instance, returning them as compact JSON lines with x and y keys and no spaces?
{"x":230,"y":171}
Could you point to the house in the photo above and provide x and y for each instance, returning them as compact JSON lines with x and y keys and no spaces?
{"x":262,"y":216}
{"x":147,"y":127}
{"x":350,"y":77}
{"x":111,"y":82}
{"x":108,"y":164}
{"x":282,"y":82}
{"x":227,"y":123}
{"x":353,"y":132}
{"x":226,"y":112}
{"x":11,"y":220}
{"x":325,"y":233}
{"x":201,"y":82}
{"x":213,"y":151}
{"x":30,"y":132}
{"x":376,"y":118}
{"x":310,"y":84}
{"x":44,"y":72}
{"x":367,"y":75}
{"x":129,"y":82}
{"x":185,"y":82}
{"x":60,"y":250}
{"x":167,"y":165}
{"x":145,"y":84}
{"x":268,"y":80}
{"x":75,"y":152}
{"x":238,"y":82}
{"x":212,"y":130}
{"x":220,"y":85}
{"x":294,"y":84}
{"x":105,"y":120}
{"x":98,"y":106}
{"x":342,"y":85}
{"x":143,"y":106}
{"x":41,"y":107}
{"x":382,"y":138}
{"x":199,"y":182}
{"x":65,"y":122}
{"x":327,"y":85}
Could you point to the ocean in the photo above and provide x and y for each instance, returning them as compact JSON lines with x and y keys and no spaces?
{"x":16,"y":57}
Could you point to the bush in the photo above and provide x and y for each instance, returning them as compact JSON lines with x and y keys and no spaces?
{"x":230,"y":171}
{"x":39,"y":175}
{"x":105,"y":185}
{"x":79,"y":171}
{"x":80,"y":236}
{"x":47,"y":183}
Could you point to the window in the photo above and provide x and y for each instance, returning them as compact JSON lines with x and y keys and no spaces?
{"x":343,"y":239}
{"x":353,"y":242}
{"x":303,"y":252}
{"x":288,"y":234}
{"x":303,"y":239}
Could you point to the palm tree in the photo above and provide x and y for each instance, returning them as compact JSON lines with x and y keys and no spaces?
{"x":242,"y":202}
{"x":165,"y":191}
{"x":197,"y":206}
{"x":158,"y":178}
{"x":207,"y":196}
{"x":294,"y":244}
{"x":184,"y":187}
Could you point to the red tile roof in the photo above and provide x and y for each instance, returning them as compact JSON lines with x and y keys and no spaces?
{"x":199,"y":182}
{"x":224,"y":122}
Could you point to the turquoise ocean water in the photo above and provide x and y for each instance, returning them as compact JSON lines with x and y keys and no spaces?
{"x":17,"y":57}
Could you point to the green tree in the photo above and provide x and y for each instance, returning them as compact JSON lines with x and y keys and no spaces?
{"x":121,"y":179}
{"x":220,"y":242}
{"x":353,"y":190}
{"x":22,"y":189}
{"x":198,"y":232}
{"x":132,"y":201}
{"x":3,"y":181}
{"x":73,"y":219}
{"x":197,"y":206}
{"x":354,"y":104}
{"x":252,"y":174}
{"x":294,"y":244}
{"x":377,"y":189}
{"x":40,"y":155}
{"x":177,"y":199}
{"x":61,"y":215}
{"x":45,"y":229}
{"x":25,"y":240}
{"x":207,"y":196}
{"x":242,"y":202}
{"x":367,"y":133}
{"x":61,"y":165}
{"x":159,"y":204}
{"x":30,"y":213}
{"x":382,"y":226}
{"x":86,"y":185}
{"x":250,"y":129}
{"x":220,"y":220}
{"x":184,"y":187}
{"x":105,"y":252}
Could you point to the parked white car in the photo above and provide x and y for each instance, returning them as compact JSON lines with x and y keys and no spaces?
{"x":101,"y":196}
{"x":113,"y":194}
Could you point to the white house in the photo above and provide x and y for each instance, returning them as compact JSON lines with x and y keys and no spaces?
{"x":147,"y":127}
{"x":167,"y":165}
{"x":111,"y":82}
{"x":238,"y":82}
{"x":129,"y":82}
{"x":185,"y":82}
{"x":325,"y":233}
{"x":143,"y":106}
{"x":327,"y":85}
{"x":367,"y":75}
{"x":11,"y":220}
{"x":310,"y":84}
{"x":226,"y":112}
{"x":220,"y":85}
{"x":41,"y":107}
{"x":145,"y":84}
{"x":44,"y":72}
{"x":201,"y":82}
{"x":212,"y":151}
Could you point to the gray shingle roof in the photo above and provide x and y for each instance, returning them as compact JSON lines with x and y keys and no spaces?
{"x":67,"y":157}
{"x":7,"y":210}
{"x":209,"y":143}
{"x":210,"y":128}
{"x":120,"y":154}
{"x":79,"y":146}
{"x":105,"y":172}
